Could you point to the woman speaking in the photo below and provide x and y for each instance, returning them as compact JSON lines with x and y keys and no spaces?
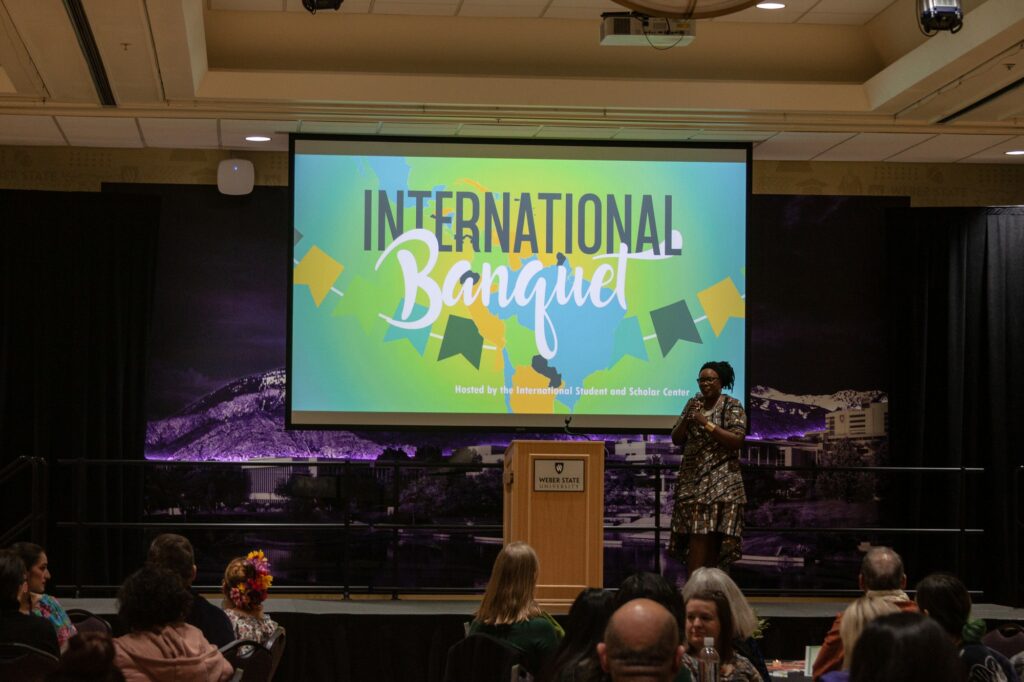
{"x":707,"y":515}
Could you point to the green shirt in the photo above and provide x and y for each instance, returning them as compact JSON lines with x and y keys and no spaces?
{"x":536,"y":638}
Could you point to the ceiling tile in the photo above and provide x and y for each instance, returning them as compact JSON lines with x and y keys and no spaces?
{"x":30,"y":130}
{"x":497,"y":8}
{"x":177,"y":133}
{"x":677,"y":134}
{"x":415,"y":8}
{"x":476,"y":130}
{"x":793,"y":10}
{"x":836,"y":18}
{"x":348,"y":7}
{"x":997,"y":153}
{"x":732,"y":135}
{"x":339,"y":128}
{"x":97,"y":131}
{"x":797,"y":146}
{"x":419,"y":129}
{"x":577,"y":133}
{"x":872,"y":146}
{"x":872,"y":7}
{"x":948,"y":148}
{"x":234,"y":131}
{"x":248,"y":5}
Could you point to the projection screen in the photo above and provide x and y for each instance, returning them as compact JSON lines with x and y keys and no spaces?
{"x":512,"y":285}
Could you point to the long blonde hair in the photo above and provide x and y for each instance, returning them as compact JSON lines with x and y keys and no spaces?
{"x":856,"y":616}
{"x":509,"y":595}
{"x":744,"y":620}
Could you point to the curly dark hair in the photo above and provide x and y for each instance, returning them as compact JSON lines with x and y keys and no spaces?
{"x":151,"y":598}
{"x":656,"y":588}
{"x":904,"y":647}
{"x":89,"y":658}
{"x":726,"y":374}
{"x":12,"y":576}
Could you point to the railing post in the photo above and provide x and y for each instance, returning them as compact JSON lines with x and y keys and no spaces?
{"x":79,"y":542}
{"x":657,"y":517}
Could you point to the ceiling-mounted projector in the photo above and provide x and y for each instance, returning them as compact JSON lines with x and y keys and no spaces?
{"x":630,"y":28}
{"x":941,"y":15}
{"x":313,"y":5}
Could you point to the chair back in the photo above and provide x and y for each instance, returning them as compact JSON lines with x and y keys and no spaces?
{"x":24,"y":663}
{"x":481,"y":658}
{"x":86,"y":621}
{"x":251,"y":657}
{"x":275,"y":644}
{"x":1007,"y":639}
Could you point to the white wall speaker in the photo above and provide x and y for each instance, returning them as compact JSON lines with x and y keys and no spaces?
{"x":235,"y":176}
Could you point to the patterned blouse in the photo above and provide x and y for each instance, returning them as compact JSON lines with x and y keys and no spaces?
{"x":49,"y":608}
{"x":259,"y":629}
{"x":742,"y":670}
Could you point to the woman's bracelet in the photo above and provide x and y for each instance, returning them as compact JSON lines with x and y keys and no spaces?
{"x":710,"y":426}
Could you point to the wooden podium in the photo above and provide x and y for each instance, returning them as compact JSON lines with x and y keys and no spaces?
{"x":554,"y":501}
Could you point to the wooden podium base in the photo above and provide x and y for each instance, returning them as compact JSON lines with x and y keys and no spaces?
{"x":554,"y":501}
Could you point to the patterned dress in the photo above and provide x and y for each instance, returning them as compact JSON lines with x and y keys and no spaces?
{"x":709,"y":495}
{"x":49,"y":608}
{"x":259,"y":629}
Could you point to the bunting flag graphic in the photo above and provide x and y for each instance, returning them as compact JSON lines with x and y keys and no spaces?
{"x":417,"y":337}
{"x":674,"y":323}
{"x":628,"y":340}
{"x":318,"y":271}
{"x":461,"y":338}
{"x":722,"y":301}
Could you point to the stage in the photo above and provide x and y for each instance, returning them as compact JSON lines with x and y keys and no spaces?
{"x":405,"y":640}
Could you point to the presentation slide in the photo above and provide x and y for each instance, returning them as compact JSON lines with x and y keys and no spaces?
{"x":485,"y":284}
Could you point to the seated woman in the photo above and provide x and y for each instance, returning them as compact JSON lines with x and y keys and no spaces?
{"x":708,"y":615}
{"x":904,"y":647}
{"x":509,"y":612}
{"x":744,"y":620}
{"x":35,"y":601}
{"x":855,"y":618}
{"x":576,"y":659}
{"x":161,"y":646}
{"x":944,"y":598}
{"x":245,"y":586}
{"x":17,"y":627}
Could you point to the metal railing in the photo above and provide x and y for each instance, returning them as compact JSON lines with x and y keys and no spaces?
{"x":349,"y":525}
{"x":33,"y":522}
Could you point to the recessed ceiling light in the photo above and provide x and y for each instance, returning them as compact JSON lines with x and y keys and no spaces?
{"x":771,"y":5}
{"x":1015,"y":152}
{"x":257,"y":138}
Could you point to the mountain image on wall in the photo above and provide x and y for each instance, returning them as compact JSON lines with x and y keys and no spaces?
{"x":245,"y":419}
{"x":777,"y":415}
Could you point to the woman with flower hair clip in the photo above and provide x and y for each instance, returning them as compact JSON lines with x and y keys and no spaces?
{"x":246,"y":583}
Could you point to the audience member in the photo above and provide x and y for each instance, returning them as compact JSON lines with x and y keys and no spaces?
{"x":708,"y":615}
{"x":15,"y":626}
{"x":855,"y":618}
{"x":576,"y":659}
{"x":944,"y":598}
{"x":903,"y":647}
{"x":246,"y":584}
{"x":175,"y":553}
{"x":508,"y":610}
{"x":744,"y":620}
{"x":656,"y":588}
{"x":89,"y":658}
{"x":35,"y":601}
{"x":641,"y":643}
{"x":161,"y":646}
{"x":881,"y":576}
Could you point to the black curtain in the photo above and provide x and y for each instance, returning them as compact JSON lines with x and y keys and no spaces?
{"x":956,"y":282}
{"x":77,"y":281}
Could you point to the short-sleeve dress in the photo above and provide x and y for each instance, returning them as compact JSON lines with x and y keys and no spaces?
{"x":709,"y":496}
{"x":49,"y":608}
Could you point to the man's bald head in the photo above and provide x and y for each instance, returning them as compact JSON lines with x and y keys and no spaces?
{"x":641,"y":643}
{"x":882,"y":569}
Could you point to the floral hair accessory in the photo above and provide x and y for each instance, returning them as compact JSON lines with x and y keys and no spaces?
{"x":249,"y":589}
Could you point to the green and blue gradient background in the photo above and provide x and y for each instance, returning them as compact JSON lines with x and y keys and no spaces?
{"x":341,"y":362}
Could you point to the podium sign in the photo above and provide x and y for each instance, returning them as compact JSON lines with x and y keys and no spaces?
{"x":554,"y":501}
